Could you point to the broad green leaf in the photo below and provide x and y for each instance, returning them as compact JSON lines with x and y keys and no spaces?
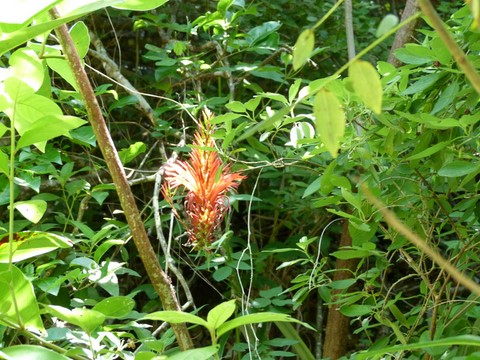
{"x":86,"y":319}
{"x":61,"y":67}
{"x":32,"y":210}
{"x":312,"y":188}
{"x":15,"y":287}
{"x":74,"y":10}
{"x":106,"y":245}
{"x":425,"y":82}
{"x":29,"y":244}
{"x":81,"y":38}
{"x":329,"y":120}
{"x":293,"y":90}
{"x":354,"y":310}
{"x":139,"y":5}
{"x":115,"y":307}
{"x":265,"y":124}
{"x":32,"y":352}
{"x":351,"y":254}
{"x":465,"y":340}
{"x":387,"y":23}
{"x":429,"y":151}
{"x":415,"y":54}
{"x":4,"y":160}
{"x":458,"y":168}
{"x":366,"y":84}
{"x":303,"y":48}
{"x":19,"y":11}
{"x":204,"y":353}
{"x":176,"y":317}
{"x":222,"y":273}
{"x":220,"y":313}
{"x":256,"y":319}
{"x":130,"y":153}
{"x":47,"y":128}
{"x":26,"y":66}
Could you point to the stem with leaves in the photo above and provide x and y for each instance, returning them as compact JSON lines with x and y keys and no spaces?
{"x":159,"y":279}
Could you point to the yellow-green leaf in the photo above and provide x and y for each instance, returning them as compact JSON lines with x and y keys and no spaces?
{"x":31,"y":210}
{"x":366,"y":84}
{"x":329,"y":120}
{"x":303,"y":48}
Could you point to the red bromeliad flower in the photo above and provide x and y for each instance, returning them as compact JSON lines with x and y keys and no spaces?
{"x":207,"y":180}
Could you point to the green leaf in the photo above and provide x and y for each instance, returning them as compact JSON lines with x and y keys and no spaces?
{"x":387,"y":23}
{"x":81,"y":38}
{"x":429,"y":151}
{"x":176,"y":317}
{"x":303,"y":48}
{"x":204,"y":353}
{"x":32,"y":352}
{"x":86,"y":319}
{"x":76,"y":9}
{"x":222,"y":273}
{"x":351,"y":254}
{"x":4,"y":161}
{"x":47,"y":128}
{"x":139,"y":5}
{"x":313,"y":187}
{"x":366,"y":84}
{"x":24,"y":10}
{"x":356,"y":310}
{"x":329,"y":120}
{"x":32,"y":210}
{"x":29,"y":244}
{"x":256,"y":319}
{"x":415,"y":54}
{"x":130,"y":153}
{"x":15,"y":287}
{"x":27,"y":67}
{"x":458,"y":168}
{"x":220,"y":313}
{"x":465,"y":340}
{"x":115,"y":307}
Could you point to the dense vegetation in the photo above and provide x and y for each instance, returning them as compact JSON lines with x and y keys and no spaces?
{"x":265,"y":183}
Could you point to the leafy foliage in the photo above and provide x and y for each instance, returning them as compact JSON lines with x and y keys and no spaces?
{"x":305,"y":132}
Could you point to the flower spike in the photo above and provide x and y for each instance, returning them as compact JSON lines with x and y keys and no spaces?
{"x":207,"y":181}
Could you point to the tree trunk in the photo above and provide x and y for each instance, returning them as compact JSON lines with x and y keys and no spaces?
{"x":337,"y":331}
{"x":405,"y":34}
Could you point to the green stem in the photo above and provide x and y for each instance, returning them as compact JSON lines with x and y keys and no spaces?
{"x":458,"y":54}
{"x":160,"y":281}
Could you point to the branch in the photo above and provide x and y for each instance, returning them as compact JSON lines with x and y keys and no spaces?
{"x":159,"y":279}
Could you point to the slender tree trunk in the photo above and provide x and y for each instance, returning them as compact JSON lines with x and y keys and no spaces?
{"x":337,"y":331}
{"x":160,"y":281}
{"x":405,"y":34}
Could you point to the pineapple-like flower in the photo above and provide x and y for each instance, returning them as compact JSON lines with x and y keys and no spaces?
{"x":206,"y":180}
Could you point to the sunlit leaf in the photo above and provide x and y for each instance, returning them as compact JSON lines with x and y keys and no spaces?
{"x":130,"y":153}
{"x":115,"y":307}
{"x":387,"y":23}
{"x":15,"y":287}
{"x":32,"y":210}
{"x":81,"y":38}
{"x":203,"y":353}
{"x":329,"y":120}
{"x":303,"y":48}
{"x":4,"y":160}
{"x":176,"y":317}
{"x":256,"y":319}
{"x":366,"y":84}
{"x":220,"y":313}
{"x":86,"y":319}
{"x":34,"y":352}
{"x":29,"y":244}
{"x":139,"y":5}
